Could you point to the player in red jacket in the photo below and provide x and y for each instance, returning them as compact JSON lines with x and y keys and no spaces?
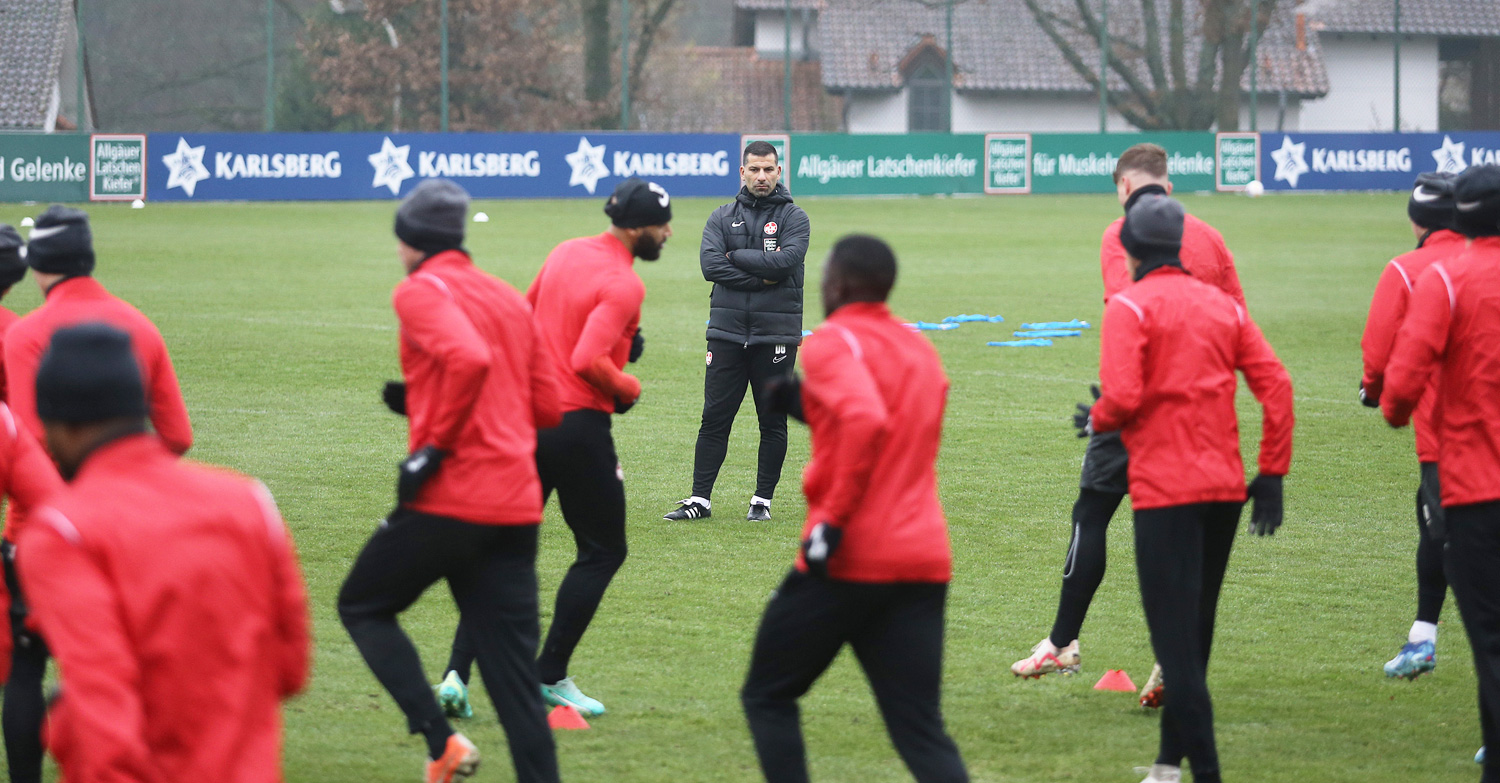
{"x":1450,"y":340}
{"x":12,"y":269}
{"x":1168,"y":354}
{"x":60,"y":253}
{"x":1431,"y":212}
{"x":587,"y":299}
{"x":873,"y":397}
{"x":169,"y":591}
{"x":478,"y":386}
{"x":1140,"y":172}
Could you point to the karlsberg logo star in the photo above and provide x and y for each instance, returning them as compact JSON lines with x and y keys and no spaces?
{"x":588,"y":165}
{"x":1450,"y":158}
{"x":1291,"y":161}
{"x":185,"y":167}
{"x":391,"y":168}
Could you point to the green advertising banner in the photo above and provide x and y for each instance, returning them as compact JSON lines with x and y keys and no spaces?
{"x":44,"y":167}
{"x":1239,"y":160}
{"x":830,"y":164}
{"x":1085,"y":162}
{"x":119,"y":167}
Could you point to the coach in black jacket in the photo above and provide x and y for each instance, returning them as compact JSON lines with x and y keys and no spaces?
{"x":753,"y":249}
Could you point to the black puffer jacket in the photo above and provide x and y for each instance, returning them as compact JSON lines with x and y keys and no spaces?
{"x":746,"y":243}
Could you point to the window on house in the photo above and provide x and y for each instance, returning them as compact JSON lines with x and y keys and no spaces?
{"x":927,"y":99}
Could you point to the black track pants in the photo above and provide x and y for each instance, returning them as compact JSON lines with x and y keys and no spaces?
{"x":1181,"y":553}
{"x":491,"y":571}
{"x":732,"y":368}
{"x":1472,"y":556}
{"x":896,"y":631}
{"x":25,"y":707}
{"x":1432,"y":584}
{"x":1084,"y":568}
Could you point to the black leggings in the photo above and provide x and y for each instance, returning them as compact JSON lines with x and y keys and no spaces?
{"x":1181,"y":553}
{"x":25,"y":708}
{"x":1472,"y":557}
{"x":1084,"y":568}
{"x":896,"y":631}
{"x":1432,"y":584}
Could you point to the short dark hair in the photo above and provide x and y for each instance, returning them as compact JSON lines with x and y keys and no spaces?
{"x":759,"y":148}
{"x":1146,"y":158}
{"x":867,"y":263}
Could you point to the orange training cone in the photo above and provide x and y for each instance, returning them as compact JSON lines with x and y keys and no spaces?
{"x":1115,"y":680}
{"x":568,"y":718}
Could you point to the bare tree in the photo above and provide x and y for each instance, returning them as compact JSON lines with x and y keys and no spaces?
{"x":1158,"y":92}
{"x":648,"y":23}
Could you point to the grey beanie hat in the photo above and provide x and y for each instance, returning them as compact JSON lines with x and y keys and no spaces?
{"x":61,"y":242}
{"x":431,"y":217}
{"x":1153,"y":229}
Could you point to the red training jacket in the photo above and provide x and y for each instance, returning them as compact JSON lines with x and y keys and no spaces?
{"x":587,"y":298}
{"x":170,"y":595}
{"x":1203,"y":254}
{"x":1387,"y":309}
{"x":478,"y":386}
{"x":8,"y":318}
{"x":1168,"y":352}
{"x":874,"y":395}
{"x":1452,"y":327}
{"x":28,"y":478}
{"x":77,"y":300}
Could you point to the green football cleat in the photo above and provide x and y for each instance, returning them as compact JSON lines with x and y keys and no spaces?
{"x":564,"y":693}
{"x":453,"y":697}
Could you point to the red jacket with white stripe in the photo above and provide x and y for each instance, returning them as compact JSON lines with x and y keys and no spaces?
{"x":78,"y":300}
{"x":874,"y":393}
{"x":587,"y":298}
{"x":478,"y":386}
{"x":1452,"y":330}
{"x":1387,"y":310}
{"x":1168,"y":353}
{"x":27,"y":478}
{"x":170,"y":595}
{"x":1203,"y":254}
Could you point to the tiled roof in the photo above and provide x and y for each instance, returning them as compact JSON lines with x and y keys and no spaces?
{"x":711,"y":89}
{"x":998,"y":47}
{"x":779,"y":5}
{"x":1477,"y":18}
{"x":31,"y":47}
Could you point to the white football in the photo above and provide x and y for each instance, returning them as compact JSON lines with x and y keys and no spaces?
{"x":137,"y":204}
{"x":480,"y":217}
{"x":1254,"y":189}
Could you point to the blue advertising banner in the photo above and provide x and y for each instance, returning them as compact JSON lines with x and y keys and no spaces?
{"x":318,"y":166}
{"x":1368,"y":161}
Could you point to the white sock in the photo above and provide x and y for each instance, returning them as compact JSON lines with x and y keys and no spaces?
{"x":757,"y":500}
{"x":1422,"y":632}
{"x":701,"y":501}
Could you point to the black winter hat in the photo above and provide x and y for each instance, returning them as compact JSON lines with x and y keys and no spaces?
{"x":12,"y":260}
{"x":61,"y":243}
{"x":636,"y":203}
{"x":1431,"y":204}
{"x":89,"y":373}
{"x":1476,"y":198}
{"x":1153,"y":229}
{"x":431,"y":217}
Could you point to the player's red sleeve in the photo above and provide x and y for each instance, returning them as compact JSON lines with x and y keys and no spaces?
{"x":1122,"y":351}
{"x":23,"y":353}
{"x":1420,"y":343}
{"x":294,"y":640}
{"x":1272,"y":387}
{"x":80,"y":616}
{"x":593,"y":355}
{"x":546,"y":397}
{"x":33,"y":478}
{"x":1387,"y":309}
{"x":838,"y":381}
{"x":1112,"y":264}
{"x":169,"y":415}
{"x":432,"y":320}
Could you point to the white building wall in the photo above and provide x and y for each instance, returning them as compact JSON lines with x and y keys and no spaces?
{"x":876,"y":112}
{"x":1360,"y":85}
{"x":770,"y":33}
{"x":980,"y":113}
{"x":1271,"y":116}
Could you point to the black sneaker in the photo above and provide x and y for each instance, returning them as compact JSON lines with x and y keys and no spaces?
{"x":686,"y":509}
{"x":759,"y":513}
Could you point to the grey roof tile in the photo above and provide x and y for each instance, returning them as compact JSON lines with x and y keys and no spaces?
{"x":31,"y":46}
{"x":1478,"y":18}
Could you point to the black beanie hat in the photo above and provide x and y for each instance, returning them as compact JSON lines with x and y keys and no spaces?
{"x":431,"y":217}
{"x":1153,"y":230}
{"x":61,"y":243}
{"x":12,"y":261}
{"x":636,"y":203}
{"x":1476,"y":198}
{"x":88,"y":374}
{"x":1431,"y":204}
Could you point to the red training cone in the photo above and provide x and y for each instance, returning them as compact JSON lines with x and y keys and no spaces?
{"x":566,"y":718}
{"x":1115,"y":680}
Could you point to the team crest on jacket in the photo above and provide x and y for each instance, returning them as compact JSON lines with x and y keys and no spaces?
{"x":709,"y":361}
{"x":770,"y":227}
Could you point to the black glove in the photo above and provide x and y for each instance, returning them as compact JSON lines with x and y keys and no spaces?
{"x":416,"y":470}
{"x":624,"y":407}
{"x":821,"y":542}
{"x":1265,"y":516}
{"x":637,"y":347}
{"x":394,"y":395}
{"x":1083,"y":419}
{"x":783,"y":394}
{"x":1366,"y":400}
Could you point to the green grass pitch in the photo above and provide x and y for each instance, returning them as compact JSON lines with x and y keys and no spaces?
{"x":278,"y":318}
